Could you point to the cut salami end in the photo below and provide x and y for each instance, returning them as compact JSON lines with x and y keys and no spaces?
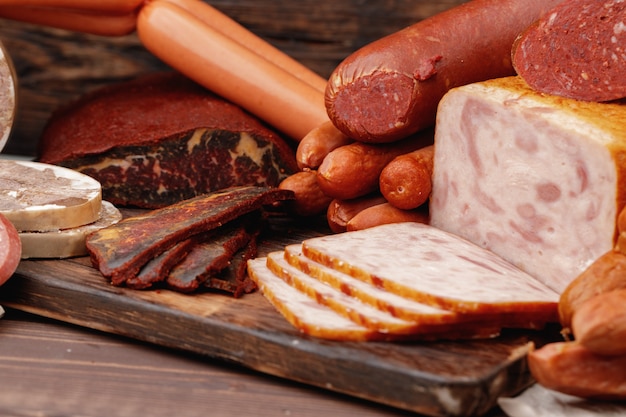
{"x":39,"y":197}
{"x":432,"y":266}
{"x":537,"y":179}
{"x":576,"y":51}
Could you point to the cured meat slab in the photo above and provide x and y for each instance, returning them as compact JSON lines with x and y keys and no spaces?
{"x":461,"y":378}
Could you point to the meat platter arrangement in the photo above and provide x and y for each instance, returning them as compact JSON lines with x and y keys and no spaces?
{"x":445,"y":213}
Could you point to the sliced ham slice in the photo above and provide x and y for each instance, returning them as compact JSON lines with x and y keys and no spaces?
{"x":305,"y":314}
{"x":430,"y":265}
{"x":429,"y":318}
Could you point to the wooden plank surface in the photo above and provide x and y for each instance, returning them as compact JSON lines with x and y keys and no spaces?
{"x":436,"y":378}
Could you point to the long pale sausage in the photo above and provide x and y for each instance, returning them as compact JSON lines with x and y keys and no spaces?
{"x":390,"y":88}
{"x":230,"y":69}
{"x":108,"y":6}
{"x":224,"y":24}
{"x":75,"y":20}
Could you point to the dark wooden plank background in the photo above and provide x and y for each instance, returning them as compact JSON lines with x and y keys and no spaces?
{"x":55,"y":66}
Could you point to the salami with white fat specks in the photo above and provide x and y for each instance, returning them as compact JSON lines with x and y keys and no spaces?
{"x":577,"y":50}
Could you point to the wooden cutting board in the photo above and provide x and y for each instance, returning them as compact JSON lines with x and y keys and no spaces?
{"x":447,"y":378}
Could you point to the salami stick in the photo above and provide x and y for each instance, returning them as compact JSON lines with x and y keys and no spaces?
{"x":318,"y":143}
{"x":229,"y":69}
{"x":406,"y":181}
{"x":353,"y":170}
{"x":391,"y":87}
{"x":75,"y":20}
{"x":224,"y":24}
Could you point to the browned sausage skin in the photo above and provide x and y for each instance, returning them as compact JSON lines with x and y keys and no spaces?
{"x":391,"y":87}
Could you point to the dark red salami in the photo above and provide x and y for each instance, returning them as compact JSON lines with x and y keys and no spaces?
{"x":577,"y":50}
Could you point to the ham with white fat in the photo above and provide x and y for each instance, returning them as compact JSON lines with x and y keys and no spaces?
{"x":537,"y":179}
{"x":443,"y":286}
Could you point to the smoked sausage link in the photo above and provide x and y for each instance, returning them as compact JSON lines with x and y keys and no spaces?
{"x":571,"y":368}
{"x":600,"y":323}
{"x":607,"y":273}
{"x":390,"y":88}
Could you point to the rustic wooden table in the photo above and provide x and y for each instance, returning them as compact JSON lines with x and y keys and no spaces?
{"x":49,"y":368}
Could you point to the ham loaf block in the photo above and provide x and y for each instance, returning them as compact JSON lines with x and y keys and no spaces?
{"x":160,"y":139}
{"x":537,"y":179}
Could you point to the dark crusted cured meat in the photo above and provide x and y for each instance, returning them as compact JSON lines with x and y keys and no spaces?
{"x":121,"y":250}
{"x":208,"y":257}
{"x":160,"y":139}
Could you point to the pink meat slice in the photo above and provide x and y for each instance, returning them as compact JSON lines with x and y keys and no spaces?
{"x":535,"y":178}
{"x":430,"y":265}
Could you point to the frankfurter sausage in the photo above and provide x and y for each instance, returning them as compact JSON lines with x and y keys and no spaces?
{"x":571,"y":368}
{"x":340,"y":212}
{"x":109,"y":6}
{"x":229,"y":69}
{"x":353,"y":170}
{"x":309,"y":198}
{"x":605,"y":274}
{"x":385,"y":213}
{"x":318,"y":143}
{"x":10,"y":249}
{"x":600,"y":323}
{"x":390,"y":88}
{"x":90,"y":22}
{"x":406,"y":181}
{"x":587,"y":61}
{"x":227,"y":26}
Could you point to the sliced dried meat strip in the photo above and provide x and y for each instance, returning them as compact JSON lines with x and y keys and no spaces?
{"x":157,"y":269}
{"x":576,"y":51}
{"x":208,"y":257}
{"x":234,"y":278}
{"x":121,"y":250}
{"x":429,"y":265}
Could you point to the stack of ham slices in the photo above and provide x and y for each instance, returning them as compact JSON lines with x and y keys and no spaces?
{"x":400,"y":281}
{"x":52,"y":208}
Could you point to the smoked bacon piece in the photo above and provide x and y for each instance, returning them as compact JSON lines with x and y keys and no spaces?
{"x":121,"y":250}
